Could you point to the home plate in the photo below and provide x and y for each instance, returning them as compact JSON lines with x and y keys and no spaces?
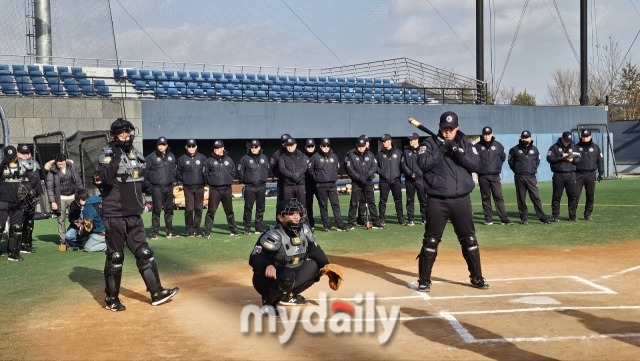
{"x":537,"y":300}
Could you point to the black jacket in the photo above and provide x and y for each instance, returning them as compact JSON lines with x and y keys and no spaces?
{"x":558,"y":157}
{"x":219,"y":170}
{"x":292,"y":167}
{"x":409,"y":164}
{"x":389,"y":164}
{"x":253,"y":169}
{"x":591,"y":158}
{"x":524,"y":160}
{"x":323,"y":167}
{"x":492,"y":156}
{"x":121,"y":195}
{"x":189,"y":170}
{"x":361,"y":167}
{"x":161,"y":168}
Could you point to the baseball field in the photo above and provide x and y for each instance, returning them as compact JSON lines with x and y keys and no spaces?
{"x":564,"y":291}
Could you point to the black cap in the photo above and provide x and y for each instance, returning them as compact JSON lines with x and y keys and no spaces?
{"x":567,"y":136}
{"x":585,"y":133}
{"x":366,"y":139}
{"x":254,"y":142}
{"x":10,"y":152}
{"x":290,"y":141}
{"x":324,"y":141}
{"x":310,"y":142}
{"x":385,"y":137}
{"x":449,"y":119}
{"x":487,"y":130}
{"x":218,"y":144}
{"x":191,"y":142}
{"x":162,"y":140}
{"x":284,"y":137}
{"x":23,"y":148}
{"x":525,"y":134}
{"x":361,"y":141}
{"x":413,"y":136}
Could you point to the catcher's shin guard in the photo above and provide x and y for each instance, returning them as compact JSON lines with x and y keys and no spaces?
{"x":148,"y":269}
{"x":15,"y":236}
{"x":113,"y":273}
{"x":280,"y":289}
{"x":427,"y":258}
{"x":471,"y":254}
{"x":26,"y":243}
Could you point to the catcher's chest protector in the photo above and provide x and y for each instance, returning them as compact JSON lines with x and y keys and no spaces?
{"x":293,"y":250}
{"x":13,"y":173}
{"x":130,"y":167}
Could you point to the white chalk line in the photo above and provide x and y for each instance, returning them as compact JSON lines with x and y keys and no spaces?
{"x":621,"y":272}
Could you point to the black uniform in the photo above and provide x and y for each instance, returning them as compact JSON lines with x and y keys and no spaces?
{"x":563,"y":159}
{"x":292,"y":168}
{"x":447,"y":168}
{"x":253,"y":171}
{"x":160,"y":172}
{"x":523,"y":161}
{"x":31,"y":171}
{"x":189,"y":173}
{"x":219,"y":172}
{"x":592,"y":160}
{"x":390,"y":180}
{"x":323,"y":169}
{"x":310,"y":190}
{"x":361,"y":168}
{"x":414,"y":184}
{"x":492,"y":156}
{"x":11,"y":200}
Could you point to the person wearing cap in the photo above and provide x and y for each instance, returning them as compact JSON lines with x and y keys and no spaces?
{"x":189,"y":174}
{"x":362,"y":206}
{"x":389,"y":159}
{"x":492,"y":157}
{"x":523,"y":161}
{"x":219,"y":171}
{"x":361,"y":166}
{"x":31,"y":170}
{"x":160,"y":172}
{"x":413,"y":181}
{"x":563,"y":157}
{"x":323,"y":169}
{"x":310,"y":189}
{"x":10,"y":198}
{"x":275,"y":165}
{"x":253,"y":172}
{"x":292,"y":166}
{"x":592,"y":159}
{"x":62,"y":181}
{"x":447,"y":162}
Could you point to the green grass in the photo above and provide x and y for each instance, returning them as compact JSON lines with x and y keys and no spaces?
{"x":48,"y":274}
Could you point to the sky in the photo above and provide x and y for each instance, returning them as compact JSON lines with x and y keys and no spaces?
{"x":320,"y":34}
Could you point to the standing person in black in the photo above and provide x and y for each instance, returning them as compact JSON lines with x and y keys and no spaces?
{"x":253,"y":170}
{"x":362,"y":206}
{"x":361,"y":166}
{"x":30,"y":169}
{"x":189,"y":173}
{"x":160,"y":172}
{"x":524,"y":160}
{"x":219,"y":171}
{"x":120,"y":170}
{"x":563,"y":157}
{"x":447,"y":163}
{"x":592,"y":160}
{"x":413,"y":181}
{"x":11,"y":198}
{"x":323,"y":169}
{"x":309,"y":184}
{"x":492,"y":156}
{"x":275,"y":165}
{"x":292,"y":167}
{"x":389,"y":159}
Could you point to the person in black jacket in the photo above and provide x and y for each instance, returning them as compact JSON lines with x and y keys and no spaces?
{"x":524,"y":160}
{"x":389,"y":159}
{"x":563,"y":157}
{"x":31,"y":170}
{"x":323,"y":169}
{"x":310,"y":190}
{"x":189,"y":173}
{"x":275,"y":165}
{"x":120,"y":170}
{"x":361,"y":166}
{"x":219,"y":171}
{"x":592,"y":160}
{"x":253,"y":170}
{"x":447,"y":163}
{"x":492,"y":156}
{"x":292,"y":166}
{"x":12,"y":196}
{"x":160,"y":172}
{"x":413,"y":181}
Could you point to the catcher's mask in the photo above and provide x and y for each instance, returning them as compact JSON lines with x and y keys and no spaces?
{"x":122,"y":125}
{"x":292,"y":206}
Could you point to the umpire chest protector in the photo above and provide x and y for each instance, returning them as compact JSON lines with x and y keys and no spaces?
{"x":130,"y":167}
{"x":14,"y":172}
{"x":289,"y":251}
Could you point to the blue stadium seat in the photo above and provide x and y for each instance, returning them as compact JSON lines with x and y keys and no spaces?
{"x":206,"y":86}
{"x":173,"y":92}
{"x":358,"y":97}
{"x":160,"y":92}
{"x":34,"y":70}
{"x":64,"y":72}
{"x":387,"y":98}
{"x":41,"y":89}
{"x":159,"y":75}
{"x":88,"y":90}
{"x":302,"y":80}
{"x":140,"y":85}
{"x":183,"y":75}
{"x":218,"y":87}
{"x":273,"y":95}
{"x":322,"y":80}
{"x":48,"y":68}
{"x":225,"y":94}
{"x":185,"y":92}
{"x":286,"y":88}
{"x":146,"y":75}
{"x":297,"y":95}
{"x":253,"y":87}
{"x":23,"y":84}
{"x":331,"y":81}
{"x":4,"y":69}
{"x":118,"y":73}
{"x":198,"y":93}
{"x":282,"y":79}
{"x":368,"y":97}
{"x":51,"y":80}
{"x":82,"y":81}
{"x":205,"y":76}
{"x":58,"y":89}
{"x":237,"y":94}
{"x":341,"y":81}
{"x":194,"y":75}
{"x":313,"y":80}
{"x":284,"y":95}
{"x":192,"y":85}
{"x":297,"y":88}
{"x":211,"y":94}
{"x":397,"y":98}
{"x":76,"y":70}
{"x":377,"y":97}
{"x":260,"y":78}
{"x":249,"y":94}
{"x":101,"y":88}
{"x":271,"y":79}
{"x":386,"y":82}
{"x":132,"y":74}
{"x":228,"y":76}
{"x":230,"y":87}
{"x":291,"y":80}
{"x":217,"y":76}
{"x":171,"y":75}
{"x":276,"y":88}
{"x":306,"y":96}
{"x":261,"y":95}
{"x":18,"y":70}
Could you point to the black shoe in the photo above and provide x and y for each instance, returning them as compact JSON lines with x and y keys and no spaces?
{"x":572,"y":219}
{"x":163,"y":296}
{"x":192,"y":234}
{"x":545,"y":221}
{"x":325,"y":229}
{"x":524,"y":221}
{"x":487,"y":223}
{"x":171,"y":235}
{"x":14,"y":257}
{"x":293,"y":300}
{"x":234,"y":233}
{"x":424,"y":286}
{"x":348,"y":228}
{"x":410,"y":224}
{"x":507,"y":223}
{"x":259,"y":231}
{"x":206,"y":235}
{"x":481,"y":284}
{"x":555,"y":219}
{"x":154,"y":236}
{"x":114,"y":304}
{"x":378,"y":226}
{"x":27,"y":249}
{"x":587,"y":217}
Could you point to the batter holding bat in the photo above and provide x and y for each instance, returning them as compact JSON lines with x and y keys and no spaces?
{"x":447,"y":161}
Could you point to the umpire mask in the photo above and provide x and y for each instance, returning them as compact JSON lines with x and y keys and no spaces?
{"x":122,"y":125}
{"x":289,"y":207}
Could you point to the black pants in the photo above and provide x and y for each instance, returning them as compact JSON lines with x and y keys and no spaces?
{"x":588,"y":181}
{"x":396,"y":191}
{"x":13,"y":212}
{"x":564,"y":182}
{"x":254,"y":193}
{"x":490,"y":185}
{"x":162,"y":198}
{"x":529,"y":184}
{"x":359,"y":193}
{"x":193,"y":204}
{"x":413,"y":186}
{"x":456,"y":210}
{"x":310,"y":191}
{"x":296,"y":191}
{"x":328,"y":192}
{"x":124,"y":231}
{"x":303,"y":277}
{"x":217,"y":195}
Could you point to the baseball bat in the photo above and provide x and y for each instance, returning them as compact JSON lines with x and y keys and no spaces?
{"x":419,"y":125}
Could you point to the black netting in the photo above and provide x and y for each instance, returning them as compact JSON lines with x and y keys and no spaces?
{"x":47,"y":146}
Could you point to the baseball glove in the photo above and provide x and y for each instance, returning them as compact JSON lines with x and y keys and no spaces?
{"x":334,"y":272}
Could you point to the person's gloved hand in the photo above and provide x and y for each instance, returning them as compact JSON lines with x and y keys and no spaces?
{"x":600,"y":178}
{"x":117,"y":151}
{"x":451,"y":145}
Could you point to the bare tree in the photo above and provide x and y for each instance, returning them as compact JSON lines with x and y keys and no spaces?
{"x":565,"y":89}
{"x":627,"y":92}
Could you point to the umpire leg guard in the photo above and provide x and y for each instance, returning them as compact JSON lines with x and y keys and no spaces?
{"x":471,"y":254}
{"x":26,"y":244}
{"x":13,"y":248}
{"x":280,"y":290}
{"x":426,"y":259}
{"x":148,"y":269}
{"x":113,"y":274}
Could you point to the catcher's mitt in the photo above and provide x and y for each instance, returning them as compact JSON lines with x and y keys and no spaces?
{"x":334,"y":272}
